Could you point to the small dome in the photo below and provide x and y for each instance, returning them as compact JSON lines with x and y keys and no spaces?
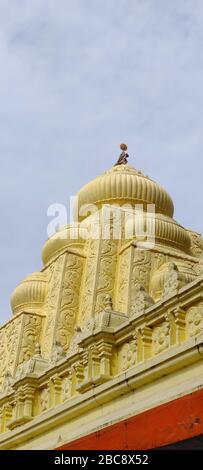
{"x":30,"y":294}
{"x":123,"y":184}
{"x":71,"y":235}
{"x":167,"y":232}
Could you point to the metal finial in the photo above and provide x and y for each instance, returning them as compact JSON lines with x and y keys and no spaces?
{"x":124,"y":147}
{"x":122,"y":160}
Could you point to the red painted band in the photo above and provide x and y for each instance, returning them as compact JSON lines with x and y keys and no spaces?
{"x":168,"y":423}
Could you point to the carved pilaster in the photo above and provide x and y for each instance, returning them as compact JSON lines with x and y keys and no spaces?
{"x":105,"y":354}
{"x":57,"y":389}
{"x":5,"y":417}
{"x":80,"y":374}
{"x":93,"y":362}
{"x":177,"y":322}
{"x":144,"y":343}
{"x":29,"y":392}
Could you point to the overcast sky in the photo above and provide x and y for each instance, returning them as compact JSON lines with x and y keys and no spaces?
{"x":78,"y":77}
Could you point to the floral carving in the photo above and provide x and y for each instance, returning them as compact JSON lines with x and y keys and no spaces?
{"x":124,"y":280}
{"x":9,"y":339}
{"x":13,"y":330}
{"x":69,"y":302}
{"x":3,"y":356}
{"x":52,"y":303}
{"x":88,"y":296}
{"x":31,"y":335}
{"x":106,"y":272}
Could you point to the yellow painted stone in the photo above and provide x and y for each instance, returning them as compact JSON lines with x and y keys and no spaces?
{"x":104,"y":322}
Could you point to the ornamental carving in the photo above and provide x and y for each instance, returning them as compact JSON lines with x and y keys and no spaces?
{"x":196,"y":244}
{"x":139,"y":277}
{"x":31,"y":336}
{"x":194,"y":320}
{"x":44,"y":399}
{"x":124,"y":281}
{"x":127,"y":355}
{"x":66,"y":388}
{"x":52,"y":303}
{"x":7,"y":384}
{"x":161,"y":337}
{"x":141,"y":301}
{"x":3,"y":356}
{"x":58,"y":352}
{"x":173,"y":280}
{"x":9,"y":341}
{"x":69,"y":302}
{"x":157,"y":260}
{"x":88,"y":292}
{"x":141,"y":267}
{"x":13,"y":334}
{"x":106,"y":272}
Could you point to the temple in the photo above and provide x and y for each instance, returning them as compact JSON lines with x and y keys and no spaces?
{"x":104,"y":349}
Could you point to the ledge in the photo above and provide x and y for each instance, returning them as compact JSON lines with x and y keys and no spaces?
{"x":172,"y":360}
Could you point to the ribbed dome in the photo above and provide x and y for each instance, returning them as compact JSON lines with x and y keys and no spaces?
{"x":123,"y":184}
{"x":30,"y":294}
{"x":70,"y":235}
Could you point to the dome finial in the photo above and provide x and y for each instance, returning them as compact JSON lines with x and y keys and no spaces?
{"x":122,"y":160}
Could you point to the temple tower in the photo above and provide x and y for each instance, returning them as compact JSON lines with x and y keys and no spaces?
{"x":110,"y":332}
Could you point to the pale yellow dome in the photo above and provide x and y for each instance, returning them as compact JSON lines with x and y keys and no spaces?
{"x":70,"y":235}
{"x":166,"y":231}
{"x":30,"y":294}
{"x":124,"y":184}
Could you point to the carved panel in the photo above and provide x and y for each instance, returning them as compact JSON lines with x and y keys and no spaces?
{"x":141,"y":264}
{"x":157,"y":259}
{"x":122,"y":303}
{"x":30,"y":336}
{"x":194,"y":320}
{"x":52,"y":303}
{"x":196,"y":244}
{"x":3,"y":356}
{"x":69,"y":302}
{"x":106,"y":272}
{"x":127,"y":356}
{"x":88,"y":295}
{"x":10,"y":336}
{"x":161,"y":337}
{"x":66,"y":388}
{"x":44,"y":399}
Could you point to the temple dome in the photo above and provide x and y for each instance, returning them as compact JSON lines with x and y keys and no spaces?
{"x":30,"y":294}
{"x":123,"y":184}
{"x":68,"y":236}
